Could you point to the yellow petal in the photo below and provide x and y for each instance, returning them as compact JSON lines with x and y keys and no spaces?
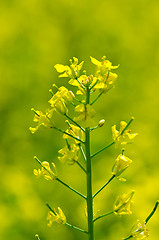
{"x":95,"y":61}
{"x":61,"y":68}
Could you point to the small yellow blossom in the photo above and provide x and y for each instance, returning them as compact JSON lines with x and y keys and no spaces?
{"x":60,"y":98}
{"x":69,"y":155}
{"x":104,"y":64}
{"x":71,"y":71}
{"x":122,"y":136}
{"x":46,"y":171}
{"x":140,"y":231}
{"x":105,"y":78}
{"x":121,"y":164}
{"x":86,"y":113}
{"x":123,"y":204}
{"x":42,"y":120}
{"x":54,"y":216}
{"x":74,"y":131}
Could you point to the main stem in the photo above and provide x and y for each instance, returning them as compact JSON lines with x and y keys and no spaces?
{"x":89,"y":177}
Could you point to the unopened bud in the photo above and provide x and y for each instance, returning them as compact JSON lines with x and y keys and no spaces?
{"x":101,"y":123}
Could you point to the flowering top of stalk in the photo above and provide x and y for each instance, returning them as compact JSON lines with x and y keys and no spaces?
{"x":123,"y":135}
{"x":123,"y":204}
{"x":45,"y":170}
{"x":140,"y":231}
{"x":56,"y":216}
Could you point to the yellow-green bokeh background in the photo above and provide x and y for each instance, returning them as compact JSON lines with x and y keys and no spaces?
{"x":34,"y":36}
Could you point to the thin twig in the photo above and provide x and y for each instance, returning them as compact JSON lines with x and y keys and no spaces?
{"x":104,"y":186}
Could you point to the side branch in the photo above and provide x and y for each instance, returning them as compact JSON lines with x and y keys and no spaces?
{"x":84,"y":170}
{"x":102,"y":149}
{"x":83,"y":153}
{"x":75,"y":123}
{"x":66,"y":185}
{"x":76,"y":228}
{"x":58,"y":129}
{"x":104,"y":186}
{"x":152,"y":213}
{"x":101,"y":216}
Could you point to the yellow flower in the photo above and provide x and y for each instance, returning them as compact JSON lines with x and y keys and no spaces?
{"x":106,"y":82}
{"x":69,"y":155}
{"x":60,"y":98}
{"x":54,"y":216}
{"x":42,"y":120}
{"x":103,"y":65}
{"x":123,"y":204}
{"x":121,"y":164}
{"x":140,"y":231}
{"x":86,"y":113}
{"x":46,"y":171}
{"x":105,"y":78}
{"x":71,"y":71}
{"x":122,"y":136}
{"x":74,"y":131}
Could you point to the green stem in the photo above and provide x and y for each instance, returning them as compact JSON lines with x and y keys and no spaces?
{"x":127,"y":126}
{"x":51,"y":209}
{"x":81,"y":167}
{"x":100,"y":94}
{"x":101,"y":216}
{"x":128,"y":237}
{"x":94,"y":84}
{"x":77,"y":100}
{"x":89,"y":178}
{"x":76,"y":228}
{"x":91,"y":129}
{"x":66,"y":185}
{"x":152,"y":213}
{"x":75,"y":122}
{"x":104,"y":186}
{"x":102,"y":149}
{"x":80,"y":83}
{"x":58,"y":129}
{"x":83,"y":153}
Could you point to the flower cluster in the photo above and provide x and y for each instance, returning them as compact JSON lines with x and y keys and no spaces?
{"x":104,"y":75}
{"x":45,"y":170}
{"x":56,"y":216}
{"x":123,"y":204}
{"x":124,"y":135}
{"x":60,"y":99}
{"x":70,"y":154}
{"x":42,"y":120}
{"x":140,"y":231}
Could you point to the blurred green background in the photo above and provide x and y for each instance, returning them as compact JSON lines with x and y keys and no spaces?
{"x":34,"y":36}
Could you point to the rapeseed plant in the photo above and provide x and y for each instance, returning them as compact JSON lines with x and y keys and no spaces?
{"x":78,"y":135}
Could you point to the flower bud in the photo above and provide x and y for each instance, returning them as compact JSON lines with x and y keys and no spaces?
{"x":101,"y":123}
{"x":121,"y":164}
